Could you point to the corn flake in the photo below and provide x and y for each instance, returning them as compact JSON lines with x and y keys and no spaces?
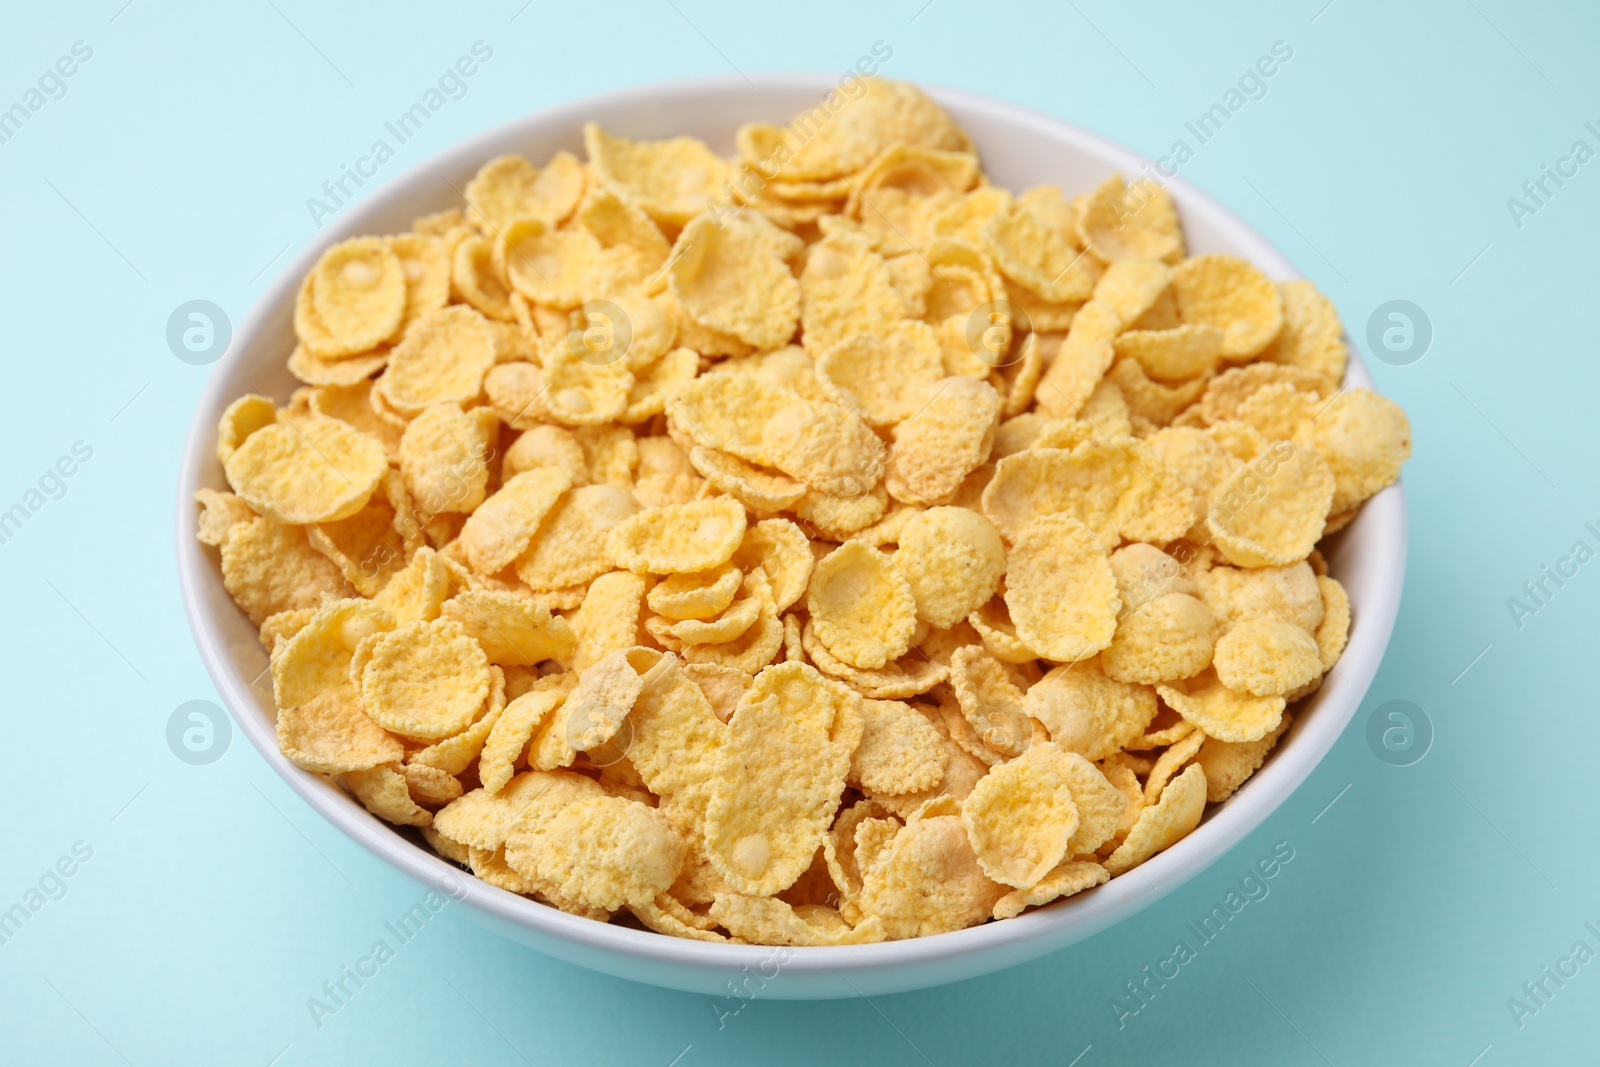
{"x":1163,"y":825}
{"x":1220,"y":711}
{"x":679,"y":538}
{"x":776,"y":789}
{"x":862,"y":607}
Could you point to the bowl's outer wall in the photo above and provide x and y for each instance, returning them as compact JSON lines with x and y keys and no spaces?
{"x":1019,"y":149}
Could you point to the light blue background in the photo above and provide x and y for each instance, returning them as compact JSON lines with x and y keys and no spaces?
{"x":177,"y":166}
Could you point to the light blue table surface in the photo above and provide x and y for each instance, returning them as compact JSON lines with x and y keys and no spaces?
{"x":175,"y":164}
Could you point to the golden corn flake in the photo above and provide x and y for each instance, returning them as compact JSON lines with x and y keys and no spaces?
{"x":314,"y":370}
{"x":1165,"y":824}
{"x":456,"y":753}
{"x":426,"y":266}
{"x":219,"y":513}
{"x":1271,"y":511}
{"x":776,"y":789}
{"x":1169,"y":637}
{"x":756,"y":488}
{"x":1089,"y":713}
{"x":840,"y":518}
{"x":516,"y":392}
{"x":1267,"y":657}
{"x":385,"y":793}
{"x":1060,"y":590}
{"x":606,"y":851}
{"x":1230,"y":294}
{"x":1289,"y":592}
{"x":953,"y":559}
{"x":929,"y":881}
{"x":510,"y":734}
{"x":1019,"y":818}
{"x":846,"y":290}
{"x":429,"y":786}
{"x":500,"y":529}
{"x":722,"y":686}
{"x":441,"y":359}
{"x":1069,"y":878}
{"x":444,"y":460}
{"x":1039,"y":258}
{"x":840,"y":847}
{"x":1176,"y":756}
{"x":1228,"y":764}
{"x":676,"y":739}
{"x":907,"y":676}
{"x":1118,"y":221}
{"x":695,"y":595}
{"x":679,"y":538}
{"x":1099,"y":803}
{"x":1334,"y":630}
{"x":268,"y":568}
{"x":1081,"y":361}
{"x":900,"y":750}
{"x":945,"y":440}
{"x":320,"y":470}
{"x":757,"y":644}
{"x":1154,"y":402}
{"x":514,"y":631}
{"x":1279,"y":411}
{"x":1312,"y":338}
{"x":478,"y":280}
{"x":318,"y":656}
{"x":647,"y":396}
{"x":614,"y":221}
{"x":1220,"y":711}
{"x":1118,"y":489}
{"x":769,"y":921}
{"x":731,"y":275}
{"x":561,"y":268}
{"x":994,"y":627}
{"x":670,"y":180}
{"x":862,"y":607}
{"x":240,"y":419}
{"x":570,"y":547}
{"x":730,"y":625}
{"x":843,"y":134}
{"x":596,"y":710}
{"x":806,"y":697}
{"x":417,"y":592}
{"x":353,"y":300}
{"x":728,"y":412}
{"x":664,"y":475}
{"x":883,"y":376}
{"x":1132,"y":286}
{"x":665,"y":915}
{"x":581,"y":393}
{"x":991,"y":704}
{"x":608,"y":617}
{"x":331,"y":733}
{"x":491,"y":820}
{"x":426,"y":680}
{"x":1227,"y":393}
{"x":1179,"y":354}
{"x":508,"y":188}
{"x":830,"y":449}
{"x":1364,"y":438}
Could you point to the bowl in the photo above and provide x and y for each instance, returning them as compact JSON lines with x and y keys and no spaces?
{"x":1019,"y":148}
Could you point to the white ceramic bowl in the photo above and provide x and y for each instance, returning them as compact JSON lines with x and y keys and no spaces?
{"x":1019,"y":148}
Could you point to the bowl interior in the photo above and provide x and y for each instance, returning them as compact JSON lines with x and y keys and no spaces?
{"x":1018,"y":149}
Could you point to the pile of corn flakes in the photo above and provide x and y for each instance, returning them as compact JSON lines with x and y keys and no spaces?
{"x":816,"y":547}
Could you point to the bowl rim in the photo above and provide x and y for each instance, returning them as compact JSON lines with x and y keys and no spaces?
{"x":1052,"y":928}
